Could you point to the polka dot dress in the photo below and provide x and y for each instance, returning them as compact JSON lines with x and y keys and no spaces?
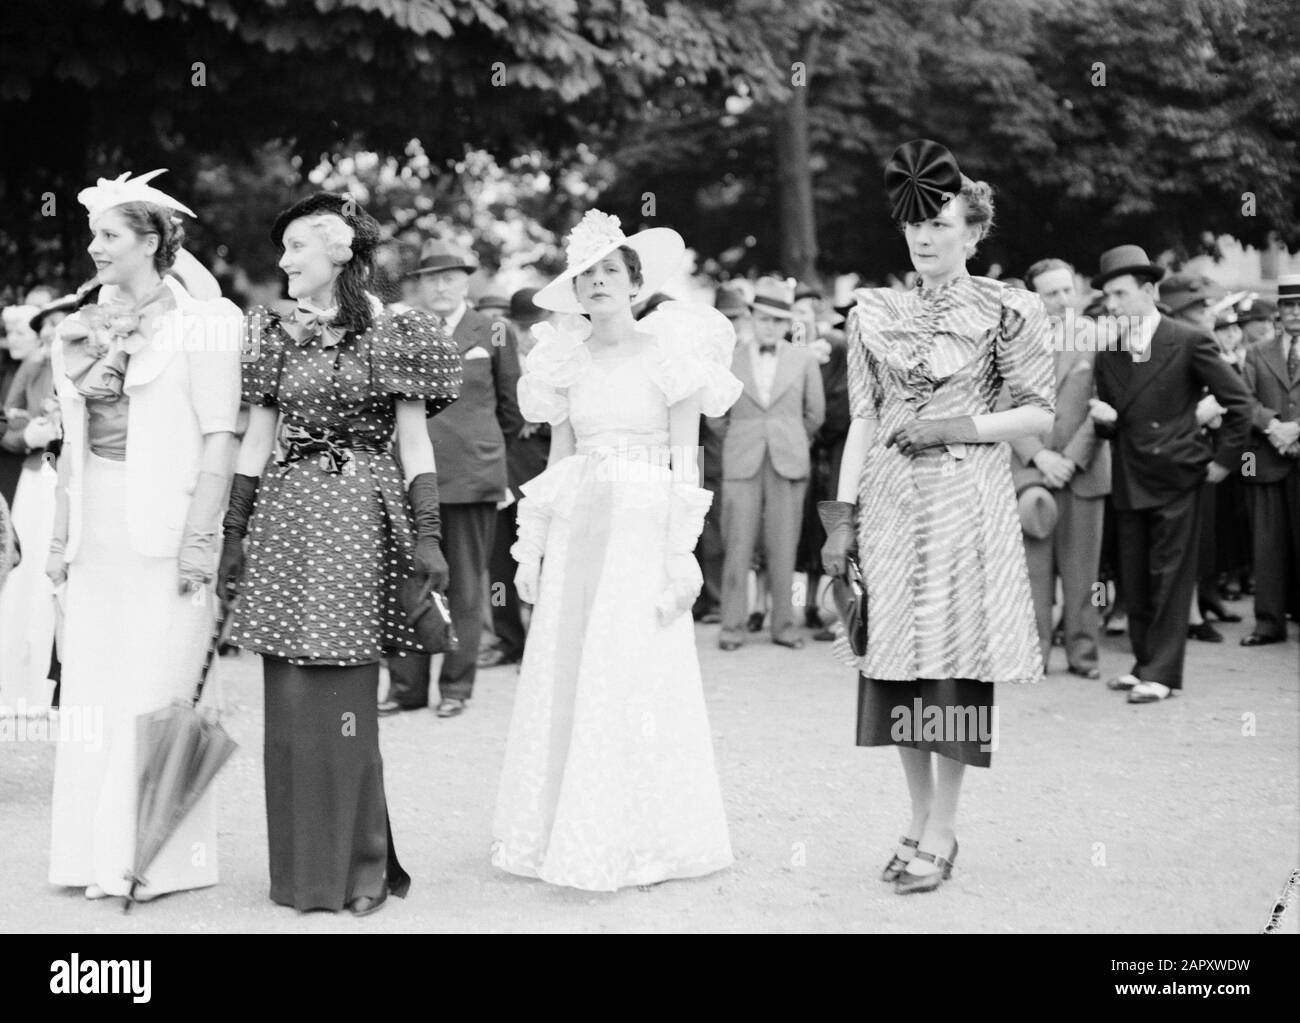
{"x":328,"y":550}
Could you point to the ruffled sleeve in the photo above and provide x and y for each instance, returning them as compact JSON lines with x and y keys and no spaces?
{"x":262,"y":357}
{"x":551,"y":368}
{"x":695,"y":348}
{"x":865,"y":391}
{"x":412,"y":361}
{"x":1024,"y":350}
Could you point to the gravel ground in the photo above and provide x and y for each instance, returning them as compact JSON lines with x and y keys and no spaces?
{"x":1096,"y":816}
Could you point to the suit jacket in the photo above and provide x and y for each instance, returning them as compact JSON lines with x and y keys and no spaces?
{"x":185,"y":383}
{"x":469,"y":435}
{"x":1073,"y":432}
{"x":785,"y":427}
{"x":1276,"y":394}
{"x":1159,"y":451}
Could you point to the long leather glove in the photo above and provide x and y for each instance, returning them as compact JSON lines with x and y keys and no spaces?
{"x":533,"y":524}
{"x":199,"y":538}
{"x":841,"y":536}
{"x":243,"y":498}
{"x":688,"y":505}
{"x":430,"y":566}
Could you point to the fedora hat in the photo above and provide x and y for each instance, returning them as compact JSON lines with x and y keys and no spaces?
{"x":730,"y":302}
{"x":1254,"y":309}
{"x":1126,"y":259}
{"x":774,"y":297}
{"x":1181,"y":292}
{"x":437,"y":256}
{"x":1037,"y":508}
{"x":660,"y":249}
{"x":496,"y":303}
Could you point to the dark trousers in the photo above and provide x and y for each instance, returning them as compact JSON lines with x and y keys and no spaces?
{"x":1157,"y":565}
{"x":466,"y":540}
{"x":507,"y":622}
{"x":710,"y":552}
{"x":1275,"y":513}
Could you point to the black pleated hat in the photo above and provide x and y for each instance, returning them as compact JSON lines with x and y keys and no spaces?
{"x":365,"y":227}
{"x":920,"y":178}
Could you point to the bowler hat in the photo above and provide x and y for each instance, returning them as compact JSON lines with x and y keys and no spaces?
{"x":437,"y":256}
{"x":1126,"y":259}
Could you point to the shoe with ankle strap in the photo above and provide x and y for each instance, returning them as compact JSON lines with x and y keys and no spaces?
{"x":913,"y":884}
{"x":897,"y":865}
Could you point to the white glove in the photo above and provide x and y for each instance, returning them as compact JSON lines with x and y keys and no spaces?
{"x":527,"y":580}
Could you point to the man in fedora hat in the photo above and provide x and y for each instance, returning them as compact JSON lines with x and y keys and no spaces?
{"x":1073,"y":464}
{"x":1272,"y":373}
{"x":765,"y":461}
{"x":1147,"y":395}
{"x":469,"y":445}
{"x":1257,"y":317}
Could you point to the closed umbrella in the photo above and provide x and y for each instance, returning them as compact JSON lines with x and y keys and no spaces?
{"x":179,"y":750}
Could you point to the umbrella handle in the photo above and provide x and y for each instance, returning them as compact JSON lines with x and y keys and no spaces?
{"x":213,"y":643}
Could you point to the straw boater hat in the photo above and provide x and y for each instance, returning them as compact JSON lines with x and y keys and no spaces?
{"x":661,"y":250}
{"x":774,"y":297}
{"x":1288,"y":288}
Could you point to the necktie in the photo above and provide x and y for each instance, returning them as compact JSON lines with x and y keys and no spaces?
{"x":1293,"y":360}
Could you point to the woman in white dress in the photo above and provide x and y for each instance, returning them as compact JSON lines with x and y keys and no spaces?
{"x":609,"y":779}
{"x":148,"y":385}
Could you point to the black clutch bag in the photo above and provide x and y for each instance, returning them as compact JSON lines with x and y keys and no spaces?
{"x":429,"y":618}
{"x":850,"y":598}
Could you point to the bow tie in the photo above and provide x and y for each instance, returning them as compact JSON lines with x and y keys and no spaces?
{"x":312,"y":322}
{"x":767,"y":349}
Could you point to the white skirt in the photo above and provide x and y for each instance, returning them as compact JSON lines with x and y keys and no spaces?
{"x":131,"y":645}
{"x":27,"y":598}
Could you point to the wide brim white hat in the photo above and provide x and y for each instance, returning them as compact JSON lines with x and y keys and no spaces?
{"x":661,"y":249}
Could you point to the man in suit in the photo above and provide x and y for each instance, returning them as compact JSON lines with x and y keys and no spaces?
{"x":711,"y":552}
{"x":469,"y":446}
{"x":1074,"y":463}
{"x":1148,"y":389}
{"x":765,"y":462}
{"x":526,"y":455}
{"x":1272,"y":373}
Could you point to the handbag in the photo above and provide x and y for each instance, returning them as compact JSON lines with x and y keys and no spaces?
{"x":429,"y":618}
{"x":850,"y":598}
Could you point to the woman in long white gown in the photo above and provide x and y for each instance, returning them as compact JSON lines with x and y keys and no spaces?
{"x":609,"y":778}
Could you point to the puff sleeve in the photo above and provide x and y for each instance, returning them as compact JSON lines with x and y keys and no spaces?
{"x":1023,"y":351}
{"x":262,"y":357}
{"x":551,"y":368}
{"x":696,"y":343}
{"x":412,"y":361}
{"x":865,"y":392}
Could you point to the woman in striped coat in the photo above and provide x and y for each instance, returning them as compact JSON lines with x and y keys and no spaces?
{"x":941,"y":549}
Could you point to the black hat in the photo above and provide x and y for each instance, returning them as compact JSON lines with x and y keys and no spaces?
{"x":66,"y":304}
{"x":1256,"y":310}
{"x":365,"y":228}
{"x":1182,"y":291}
{"x":437,"y":256}
{"x":921,"y":177}
{"x":522,"y":308}
{"x":494,"y":302}
{"x":1126,"y":259}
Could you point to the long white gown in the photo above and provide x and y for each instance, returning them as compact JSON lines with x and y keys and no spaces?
{"x":609,"y":778}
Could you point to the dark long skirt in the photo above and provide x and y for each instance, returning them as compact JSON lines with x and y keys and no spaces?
{"x":954,"y":717}
{"x":326,"y":815}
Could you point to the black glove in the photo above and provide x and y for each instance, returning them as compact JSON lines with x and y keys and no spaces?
{"x":841,"y":537}
{"x":243,"y":496}
{"x":430,"y":566}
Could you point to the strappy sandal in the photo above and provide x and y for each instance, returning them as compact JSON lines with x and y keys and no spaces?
{"x":911,"y":884}
{"x":897,"y":865}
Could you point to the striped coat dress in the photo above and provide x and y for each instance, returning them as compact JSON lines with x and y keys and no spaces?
{"x":939,"y":536}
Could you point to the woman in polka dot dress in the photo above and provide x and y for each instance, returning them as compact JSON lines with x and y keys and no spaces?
{"x":329,"y":543}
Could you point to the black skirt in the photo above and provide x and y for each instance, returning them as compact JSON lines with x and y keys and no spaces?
{"x":954,"y":717}
{"x":326,"y":815}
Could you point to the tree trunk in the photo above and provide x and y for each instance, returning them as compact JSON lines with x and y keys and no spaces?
{"x":794,"y":178}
